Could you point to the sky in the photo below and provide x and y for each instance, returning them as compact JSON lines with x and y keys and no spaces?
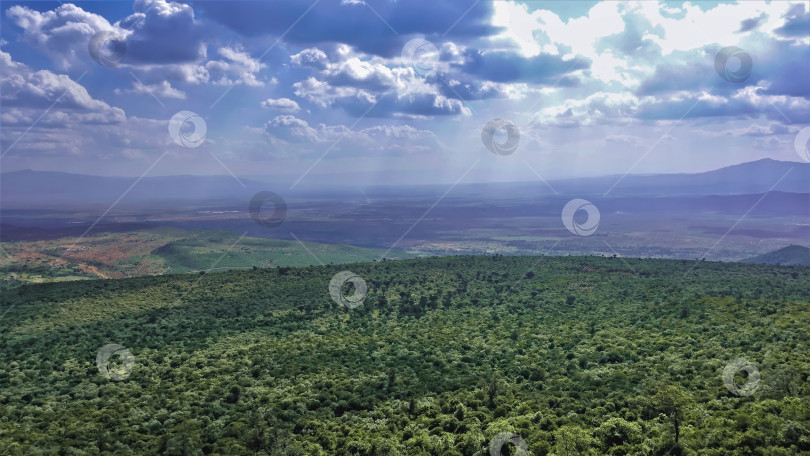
{"x":335,"y":92}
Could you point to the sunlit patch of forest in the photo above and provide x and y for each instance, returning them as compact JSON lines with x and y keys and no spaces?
{"x":575,"y":355}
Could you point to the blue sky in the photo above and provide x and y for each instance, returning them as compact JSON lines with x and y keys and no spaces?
{"x":331,"y":92}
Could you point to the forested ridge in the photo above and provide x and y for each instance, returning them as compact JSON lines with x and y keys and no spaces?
{"x":569,"y":355}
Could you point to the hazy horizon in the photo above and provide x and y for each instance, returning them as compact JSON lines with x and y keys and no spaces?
{"x":389,"y":183}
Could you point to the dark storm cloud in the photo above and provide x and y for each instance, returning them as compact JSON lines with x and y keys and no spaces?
{"x":164,"y":33}
{"x":466,"y":90}
{"x":797,"y":23}
{"x":355,"y":23}
{"x":780,"y":68}
{"x":503,"y":66}
{"x":634,"y":41}
{"x":752,"y":23}
{"x":671,"y":77}
{"x":417,"y":104}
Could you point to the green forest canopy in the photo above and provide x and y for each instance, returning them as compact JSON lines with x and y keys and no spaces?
{"x":571,"y":355}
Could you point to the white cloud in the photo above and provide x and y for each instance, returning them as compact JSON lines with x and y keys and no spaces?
{"x":375,"y":140}
{"x":65,"y":100}
{"x":596,"y":108}
{"x":237,"y":67}
{"x":320,"y":92}
{"x":755,"y":129}
{"x":62,"y":33}
{"x":160,"y":90}
{"x":281,"y":104}
{"x":312,"y":57}
{"x":356,"y":82}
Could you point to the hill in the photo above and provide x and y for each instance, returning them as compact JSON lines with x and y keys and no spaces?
{"x":790,"y":255}
{"x":445,"y":356}
{"x":758,"y":176}
{"x":161,"y":250}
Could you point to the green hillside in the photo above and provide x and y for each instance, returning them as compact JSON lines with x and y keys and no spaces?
{"x":790,"y":255}
{"x":162,"y":250}
{"x":567,"y":355}
{"x":227,"y":249}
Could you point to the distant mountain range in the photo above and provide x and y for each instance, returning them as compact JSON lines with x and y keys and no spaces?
{"x":790,"y":255}
{"x":48,"y":189}
{"x":747,"y":178}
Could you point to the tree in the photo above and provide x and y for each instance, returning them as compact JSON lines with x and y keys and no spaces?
{"x":617,"y":431}
{"x":784,"y":381}
{"x":573,"y":441}
{"x":492,"y":389}
{"x":673,"y":402}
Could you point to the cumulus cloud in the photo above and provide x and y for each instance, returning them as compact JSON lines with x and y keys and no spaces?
{"x":312,"y":58}
{"x":321,"y":93}
{"x":163,"y":32}
{"x":352,"y":23}
{"x":754,"y":130}
{"x":626,"y":108}
{"x":160,"y":90}
{"x":380,"y":139}
{"x":281,"y":104}
{"x":236,"y":67}
{"x":634,"y":65}
{"x":752,"y":23}
{"x":293,"y":129}
{"x":162,"y":40}
{"x":62,"y":33}
{"x":472,"y":89}
{"x":363,"y":85}
{"x":600,"y":107}
{"x":502,"y":66}
{"x":65,"y":100}
{"x":796,"y":22}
